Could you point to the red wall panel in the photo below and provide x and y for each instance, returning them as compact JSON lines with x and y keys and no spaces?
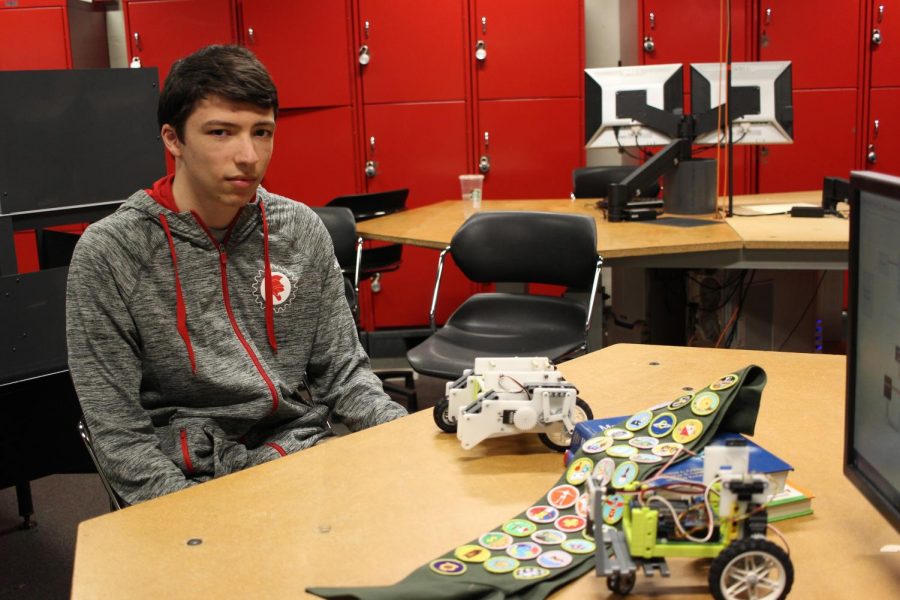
{"x":34,"y":38}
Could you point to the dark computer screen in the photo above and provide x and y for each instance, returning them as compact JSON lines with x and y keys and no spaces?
{"x":872,"y":421}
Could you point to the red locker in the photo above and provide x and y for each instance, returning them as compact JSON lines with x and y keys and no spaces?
{"x":885,"y":143}
{"x":824,"y":143}
{"x":161,"y":31}
{"x":532,"y":146}
{"x":413,"y":51}
{"x":314,"y":159}
{"x":528,"y":48}
{"x":421,"y":147}
{"x":803,"y":34}
{"x":305,"y":44}
{"x":34,"y":35}
{"x":884,"y":43}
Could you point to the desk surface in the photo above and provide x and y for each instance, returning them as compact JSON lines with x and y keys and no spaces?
{"x":320,"y":518}
{"x":433,"y":226}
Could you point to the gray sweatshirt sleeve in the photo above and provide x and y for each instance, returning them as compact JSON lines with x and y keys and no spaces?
{"x":105,"y":363}
{"x":338,"y":369}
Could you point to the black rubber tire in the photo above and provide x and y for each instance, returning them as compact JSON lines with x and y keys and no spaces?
{"x":442,"y":417}
{"x":747,"y":549}
{"x":621,"y":584}
{"x":588,"y":413}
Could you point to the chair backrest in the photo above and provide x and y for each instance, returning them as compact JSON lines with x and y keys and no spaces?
{"x":115,"y":501}
{"x":342,"y":227}
{"x":376,"y":204}
{"x":527,"y":247}
{"x":594,"y":182}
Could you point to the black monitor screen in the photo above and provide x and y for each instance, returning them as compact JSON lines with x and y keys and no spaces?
{"x":77,"y":137}
{"x":873,"y":355}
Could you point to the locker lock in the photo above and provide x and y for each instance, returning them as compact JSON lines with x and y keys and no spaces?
{"x":364,"y":56}
{"x":876,"y":37}
{"x":871,"y":155}
{"x":649,"y":44}
{"x":484,"y":164}
{"x":480,"y":50}
{"x":371,"y":168}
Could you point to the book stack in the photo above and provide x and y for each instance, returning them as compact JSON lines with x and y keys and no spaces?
{"x":794,"y":501}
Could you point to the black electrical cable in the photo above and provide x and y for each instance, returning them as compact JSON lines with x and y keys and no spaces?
{"x":805,"y":310}
{"x":734,"y":324}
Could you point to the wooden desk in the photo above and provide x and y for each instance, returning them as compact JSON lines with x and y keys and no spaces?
{"x":738,"y":242}
{"x":321,"y":518}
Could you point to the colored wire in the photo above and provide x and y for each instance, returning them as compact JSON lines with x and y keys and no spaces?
{"x":803,"y":314}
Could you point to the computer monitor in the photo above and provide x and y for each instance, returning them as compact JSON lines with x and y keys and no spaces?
{"x":872,"y":423}
{"x":612,"y":93}
{"x":766,"y":86}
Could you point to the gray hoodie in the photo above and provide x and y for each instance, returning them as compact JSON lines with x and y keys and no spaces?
{"x":188,"y":366}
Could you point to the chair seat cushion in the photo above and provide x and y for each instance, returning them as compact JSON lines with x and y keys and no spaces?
{"x":501,"y":325}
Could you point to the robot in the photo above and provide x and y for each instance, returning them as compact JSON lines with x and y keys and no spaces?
{"x":507,"y":396}
{"x":731,"y":512}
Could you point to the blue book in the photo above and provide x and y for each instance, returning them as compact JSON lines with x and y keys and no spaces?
{"x":761,"y":460}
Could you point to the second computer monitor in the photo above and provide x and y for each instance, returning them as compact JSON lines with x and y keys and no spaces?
{"x":769,"y":83}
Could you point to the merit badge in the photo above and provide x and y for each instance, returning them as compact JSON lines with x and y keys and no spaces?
{"x":705,"y":403}
{"x":581,"y":507}
{"x":604,"y":470}
{"x":597,"y":445}
{"x":676,"y":404}
{"x":519,"y":527}
{"x":570,"y":523}
{"x":646,"y":458}
{"x":524,"y":550}
{"x":530,"y":573}
{"x":501,"y":564}
{"x":542,"y":514}
{"x":662,"y":424}
{"x":643,"y":442}
{"x":562,"y":496}
{"x":577,"y":546}
{"x":725,"y":382}
{"x":446,"y":566}
{"x":555,"y":559}
{"x":496,"y":540}
{"x":667,"y":449}
{"x":687,"y":431}
{"x":613,"y":508}
{"x":622,"y":451}
{"x":548,"y":537}
{"x":624,"y":474}
{"x":639,"y":420}
{"x":472,"y":553}
{"x":617,"y":433}
{"x":579,"y":470}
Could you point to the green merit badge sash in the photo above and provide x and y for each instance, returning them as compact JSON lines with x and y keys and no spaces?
{"x":548,"y":545}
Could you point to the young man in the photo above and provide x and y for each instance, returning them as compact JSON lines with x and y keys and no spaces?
{"x":195,"y":311}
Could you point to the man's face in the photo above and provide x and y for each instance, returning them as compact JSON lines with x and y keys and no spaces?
{"x":224,"y":153}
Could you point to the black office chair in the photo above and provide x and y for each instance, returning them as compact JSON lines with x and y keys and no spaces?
{"x":115,"y":501}
{"x":379,"y":259}
{"x":594,"y":182}
{"x":340,"y":223}
{"x":514,"y":247}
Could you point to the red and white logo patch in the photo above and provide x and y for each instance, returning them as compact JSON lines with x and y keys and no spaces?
{"x":283,"y":288}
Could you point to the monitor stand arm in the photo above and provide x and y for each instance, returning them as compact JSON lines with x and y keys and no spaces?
{"x":620,"y":194}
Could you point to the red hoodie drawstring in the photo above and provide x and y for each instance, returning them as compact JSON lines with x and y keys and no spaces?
{"x":181,"y":311}
{"x":270,"y":303}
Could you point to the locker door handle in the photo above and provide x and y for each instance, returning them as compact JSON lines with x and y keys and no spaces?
{"x":371,"y":168}
{"x":871,"y":154}
{"x":649,"y":44}
{"x":137,"y":42}
{"x":876,"y":37}
{"x":364,"y":56}
{"x":481,"y":50}
{"x":484,"y":164}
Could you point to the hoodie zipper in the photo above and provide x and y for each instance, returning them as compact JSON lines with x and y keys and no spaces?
{"x":223,"y":260}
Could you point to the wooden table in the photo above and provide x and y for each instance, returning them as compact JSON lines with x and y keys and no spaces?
{"x":368,"y":508}
{"x":739,"y":242}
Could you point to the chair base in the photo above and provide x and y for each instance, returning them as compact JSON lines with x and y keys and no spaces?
{"x":407,"y":390}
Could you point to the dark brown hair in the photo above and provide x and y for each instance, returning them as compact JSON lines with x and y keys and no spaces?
{"x":230,"y":72}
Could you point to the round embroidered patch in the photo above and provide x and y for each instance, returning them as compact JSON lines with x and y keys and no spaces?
{"x":472,"y":553}
{"x":725,"y":382}
{"x":501,"y":564}
{"x":548,"y":537}
{"x":643,"y":442}
{"x":705,"y":403}
{"x":520,"y":527}
{"x":624,"y":474}
{"x":524,"y":550}
{"x":579,"y":470}
{"x":604,"y":470}
{"x":617,"y":433}
{"x":496,"y":540}
{"x":555,"y":559}
{"x":570,"y":523}
{"x":662,"y":424}
{"x":613,"y":508}
{"x":582,"y":505}
{"x":687,"y":431}
{"x":446,"y":566}
{"x":528,"y":573}
{"x":542,"y":514}
{"x":667,"y":449}
{"x":646,"y":458}
{"x":577,"y":546}
{"x":676,"y":404}
{"x":562,"y":496}
{"x":638,"y":420}
{"x":622,"y":451}
{"x":597,"y":444}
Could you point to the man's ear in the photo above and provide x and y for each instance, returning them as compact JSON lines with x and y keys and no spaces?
{"x":170,"y":139}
